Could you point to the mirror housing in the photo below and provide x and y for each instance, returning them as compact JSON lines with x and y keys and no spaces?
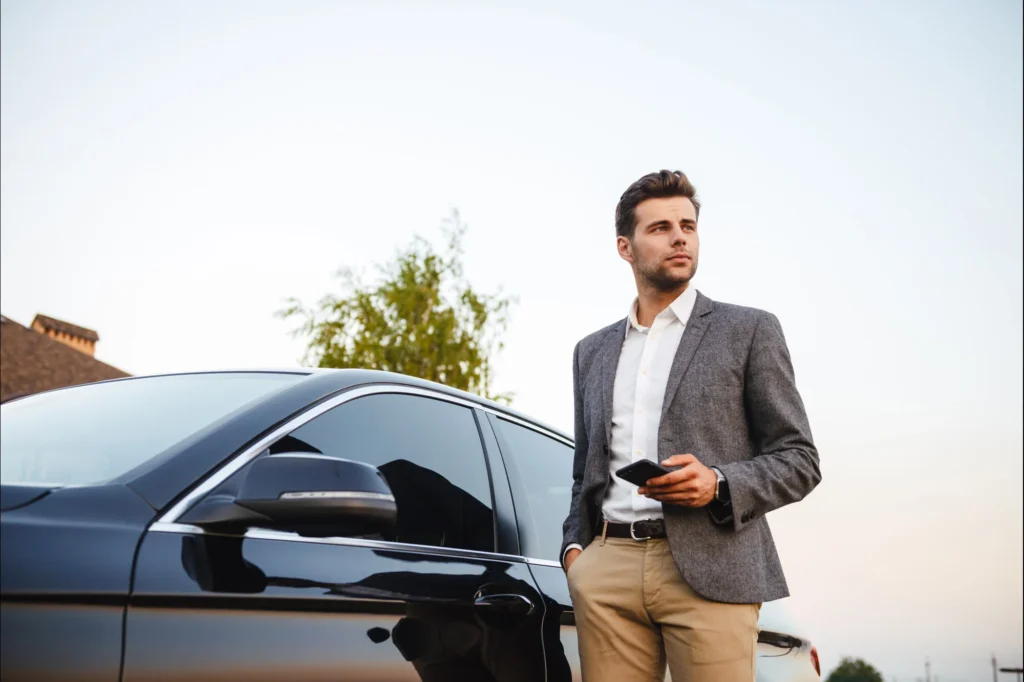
{"x":295,"y":490}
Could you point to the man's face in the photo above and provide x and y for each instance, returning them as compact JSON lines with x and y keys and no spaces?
{"x":665,"y":247}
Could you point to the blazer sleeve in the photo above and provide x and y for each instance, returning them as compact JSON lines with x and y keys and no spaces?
{"x":570,"y":529}
{"x":785,"y":468}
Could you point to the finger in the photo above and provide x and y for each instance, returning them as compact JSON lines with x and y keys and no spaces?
{"x":673,"y":494}
{"x":686,"y":499}
{"x":660,"y":481}
{"x":679,"y":460}
{"x":674,"y":478}
{"x":688,"y":489}
{"x":692,"y":484}
{"x":686,"y":474}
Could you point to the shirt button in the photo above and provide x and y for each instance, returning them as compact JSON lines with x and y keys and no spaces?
{"x":644,"y":371}
{"x":640,"y":410}
{"x":639,"y":452}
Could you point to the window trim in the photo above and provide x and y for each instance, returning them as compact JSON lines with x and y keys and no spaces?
{"x":168,"y":522}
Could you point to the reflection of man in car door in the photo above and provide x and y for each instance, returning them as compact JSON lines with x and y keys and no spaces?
{"x":432,"y":511}
{"x":446,"y":638}
{"x":440,"y":634}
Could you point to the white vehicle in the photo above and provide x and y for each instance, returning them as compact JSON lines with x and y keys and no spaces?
{"x":783,"y":655}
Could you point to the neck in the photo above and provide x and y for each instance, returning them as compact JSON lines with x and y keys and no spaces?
{"x":651,"y":301}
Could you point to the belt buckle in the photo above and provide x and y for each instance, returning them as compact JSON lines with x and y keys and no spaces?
{"x":632,"y":532}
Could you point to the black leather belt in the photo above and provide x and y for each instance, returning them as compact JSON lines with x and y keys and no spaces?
{"x":646,"y":529}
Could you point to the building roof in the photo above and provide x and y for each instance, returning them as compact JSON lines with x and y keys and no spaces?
{"x":53,"y":324}
{"x":31,"y":362}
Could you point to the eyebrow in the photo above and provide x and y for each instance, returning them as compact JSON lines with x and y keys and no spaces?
{"x":658,"y":223}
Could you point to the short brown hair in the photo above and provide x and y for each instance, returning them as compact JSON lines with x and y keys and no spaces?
{"x":651,"y":186}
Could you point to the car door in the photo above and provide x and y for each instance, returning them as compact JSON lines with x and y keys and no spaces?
{"x":539,"y":466}
{"x":431,"y":601}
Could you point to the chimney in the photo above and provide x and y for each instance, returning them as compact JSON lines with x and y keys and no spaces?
{"x":79,"y":338}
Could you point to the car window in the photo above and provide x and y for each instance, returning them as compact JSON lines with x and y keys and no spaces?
{"x":94,"y":433}
{"x":431,"y":455}
{"x":540,"y":472}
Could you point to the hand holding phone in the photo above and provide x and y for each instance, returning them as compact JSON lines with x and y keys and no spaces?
{"x":639,"y":472}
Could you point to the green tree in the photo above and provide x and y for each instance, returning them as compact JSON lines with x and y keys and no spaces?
{"x":855,"y":670}
{"x":420,"y":318}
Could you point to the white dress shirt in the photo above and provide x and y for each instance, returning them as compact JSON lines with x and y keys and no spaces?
{"x":638,"y":396}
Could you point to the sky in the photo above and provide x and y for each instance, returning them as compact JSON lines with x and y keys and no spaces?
{"x":171,"y":172}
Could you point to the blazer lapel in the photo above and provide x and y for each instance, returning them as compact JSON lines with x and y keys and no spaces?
{"x":608,"y":365}
{"x":695,"y":328}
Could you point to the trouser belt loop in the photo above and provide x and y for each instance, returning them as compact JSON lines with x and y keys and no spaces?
{"x":604,"y":532}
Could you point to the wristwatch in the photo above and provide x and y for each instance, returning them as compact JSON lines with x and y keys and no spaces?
{"x":721,"y":486}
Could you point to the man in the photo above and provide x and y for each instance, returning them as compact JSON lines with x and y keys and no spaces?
{"x":677,"y":569}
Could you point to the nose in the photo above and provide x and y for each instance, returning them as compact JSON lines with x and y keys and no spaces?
{"x":678,"y":236}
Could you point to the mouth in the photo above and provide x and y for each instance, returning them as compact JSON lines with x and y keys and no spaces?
{"x":679,"y":258}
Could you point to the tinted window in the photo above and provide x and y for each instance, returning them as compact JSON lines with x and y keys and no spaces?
{"x":540,"y":471}
{"x":430,"y":453}
{"x":94,"y":433}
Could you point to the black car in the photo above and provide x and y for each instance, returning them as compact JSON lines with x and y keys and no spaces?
{"x":293,"y":525}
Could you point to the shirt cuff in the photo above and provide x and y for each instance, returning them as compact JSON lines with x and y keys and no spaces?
{"x":572,"y":545}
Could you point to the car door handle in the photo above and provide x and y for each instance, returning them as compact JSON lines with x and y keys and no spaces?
{"x":514,"y":604}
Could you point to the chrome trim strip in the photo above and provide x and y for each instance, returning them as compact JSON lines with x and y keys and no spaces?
{"x":262,"y":534}
{"x":337,"y":495}
{"x":220,"y":475}
{"x":181,"y":528}
{"x":543,"y":562}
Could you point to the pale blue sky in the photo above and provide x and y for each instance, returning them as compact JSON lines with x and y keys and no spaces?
{"x":172,"y":171}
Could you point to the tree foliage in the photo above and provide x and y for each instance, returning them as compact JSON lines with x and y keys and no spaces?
{"x":855,"y":670}
{"x":420,"y":318}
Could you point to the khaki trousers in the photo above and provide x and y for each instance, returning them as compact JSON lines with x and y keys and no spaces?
{"x":634,"y":612}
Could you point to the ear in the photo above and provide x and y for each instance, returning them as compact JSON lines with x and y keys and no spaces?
{"x":625,"y":247}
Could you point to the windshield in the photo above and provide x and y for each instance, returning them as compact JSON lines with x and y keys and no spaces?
{"x":94,"y":433}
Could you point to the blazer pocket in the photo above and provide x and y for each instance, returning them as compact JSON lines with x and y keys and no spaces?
{"x":722,"y":389}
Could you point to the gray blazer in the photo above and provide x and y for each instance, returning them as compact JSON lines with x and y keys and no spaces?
{"x":731,"y":401}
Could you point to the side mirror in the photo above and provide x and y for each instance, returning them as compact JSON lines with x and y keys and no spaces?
{"x":293,"y":490}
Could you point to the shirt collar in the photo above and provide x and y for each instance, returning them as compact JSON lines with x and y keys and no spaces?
{"x":681,"y":308}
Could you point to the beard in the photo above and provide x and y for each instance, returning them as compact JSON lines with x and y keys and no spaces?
{"x":662,"y":278}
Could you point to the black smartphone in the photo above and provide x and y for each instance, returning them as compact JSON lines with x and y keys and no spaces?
{"x":641,"y":471}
